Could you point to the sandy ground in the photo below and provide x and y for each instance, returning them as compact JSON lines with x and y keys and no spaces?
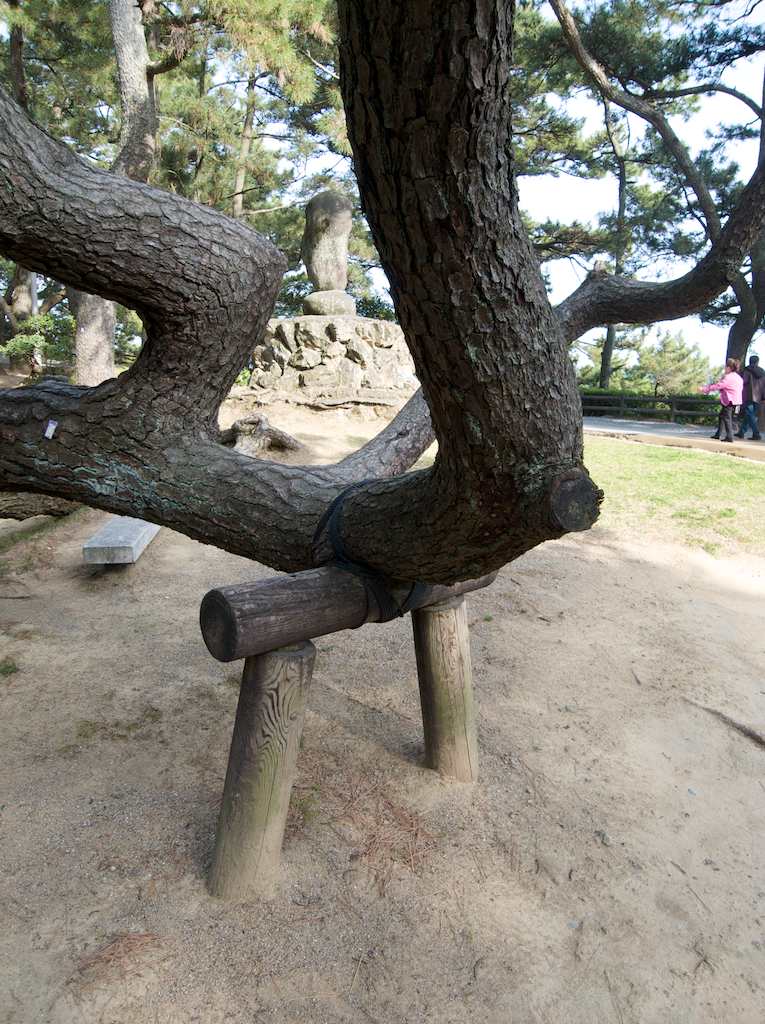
{"x":608,"y":866}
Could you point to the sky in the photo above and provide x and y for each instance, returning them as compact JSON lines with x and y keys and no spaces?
{"x":565,"y":198}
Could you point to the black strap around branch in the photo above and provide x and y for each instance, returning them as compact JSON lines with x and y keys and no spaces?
{"x":375,"y":584}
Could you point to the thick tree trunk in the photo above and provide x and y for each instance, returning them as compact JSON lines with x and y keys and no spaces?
{"x":94,"y":337}
{"x":751,"y":306}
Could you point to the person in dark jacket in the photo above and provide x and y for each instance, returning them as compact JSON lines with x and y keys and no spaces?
{"x":754,"y":393}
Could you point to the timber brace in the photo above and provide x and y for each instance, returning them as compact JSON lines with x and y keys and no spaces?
{"x":376,"y":586}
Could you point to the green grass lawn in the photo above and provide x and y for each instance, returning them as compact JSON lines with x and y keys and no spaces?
{"x":710,"y":501}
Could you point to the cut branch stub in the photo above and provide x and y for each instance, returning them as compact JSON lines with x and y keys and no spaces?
{"x":252,"y":618}
{"x":574,"y":502}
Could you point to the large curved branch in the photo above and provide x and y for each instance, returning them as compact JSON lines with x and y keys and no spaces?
{"x":705,"y":89}
{"x":396,"y":448}
{"x":203,"y":284}
{"x":604,"y":298}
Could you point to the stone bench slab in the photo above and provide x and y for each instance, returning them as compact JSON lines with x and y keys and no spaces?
{"x":120,"y":541}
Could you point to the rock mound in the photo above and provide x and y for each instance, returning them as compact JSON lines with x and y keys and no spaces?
{"x":333,"y":354}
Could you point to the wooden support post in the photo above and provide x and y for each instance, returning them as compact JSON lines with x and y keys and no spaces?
{"x":261,"y":769}
{"x":442,"y":645}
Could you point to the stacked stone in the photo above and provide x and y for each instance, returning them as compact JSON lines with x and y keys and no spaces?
{"x":330,"y":351}
{"x":333,"y":354}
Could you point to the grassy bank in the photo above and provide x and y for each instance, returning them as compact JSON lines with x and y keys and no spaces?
{"x":710,"y":501}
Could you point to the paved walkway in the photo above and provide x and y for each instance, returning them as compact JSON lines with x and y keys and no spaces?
{"x":677,"y":435}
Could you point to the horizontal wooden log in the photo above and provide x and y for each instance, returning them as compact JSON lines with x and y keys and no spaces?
{"x":252,"y":618}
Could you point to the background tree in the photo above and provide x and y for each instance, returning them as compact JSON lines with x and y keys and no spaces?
{"x":670,"y":366}
{"x":654,"y":60}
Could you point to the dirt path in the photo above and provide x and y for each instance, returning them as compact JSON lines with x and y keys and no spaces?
{"x":608,"y":866}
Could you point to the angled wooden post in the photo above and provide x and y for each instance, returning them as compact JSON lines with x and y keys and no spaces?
{"x":261,"y":769}
{"x":444,"y":672}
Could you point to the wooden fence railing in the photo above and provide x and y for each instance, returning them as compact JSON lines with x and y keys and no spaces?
{"x":673,"y":408}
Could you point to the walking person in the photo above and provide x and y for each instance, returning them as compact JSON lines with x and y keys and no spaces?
{"x":730,"y":386}
{"x":754,"y":393}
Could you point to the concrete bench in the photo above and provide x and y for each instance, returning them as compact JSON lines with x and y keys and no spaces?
{"x":120,"y":541}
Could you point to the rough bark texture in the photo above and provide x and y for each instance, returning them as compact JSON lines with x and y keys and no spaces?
{"x":427,"y":105}
{"x":608,"y":298}
{"x":426,"y":95}
{"x":23,"y":505}
{"x":93,"y":337}
{"x":16,"y":62}
{"x":429,"y":118}
{"x":137,"y":102}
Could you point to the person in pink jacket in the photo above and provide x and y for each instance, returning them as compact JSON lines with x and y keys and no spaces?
{"x":731,"y":387}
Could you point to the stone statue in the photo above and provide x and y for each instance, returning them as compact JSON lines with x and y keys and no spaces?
{"x":325,"y":254}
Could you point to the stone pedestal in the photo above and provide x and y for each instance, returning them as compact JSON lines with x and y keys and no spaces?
{"x":330,"y":303}
{"x":331,"y":354}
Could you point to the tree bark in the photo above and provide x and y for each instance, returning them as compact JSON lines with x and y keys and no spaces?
{"x":96,"y":316}
{"x":23,"y":505}
{"x":18,"y":77}
{"x":612,"y":299}
{"x":22,"y":301}
{"x":93,"y":338}
{"x":751,"y":297}
{"x":23,"y":294}
{"x":137,"y":101}
{"x":245,"y":145}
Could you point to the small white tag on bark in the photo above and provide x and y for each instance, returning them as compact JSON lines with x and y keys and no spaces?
{"x":50,"y":430}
